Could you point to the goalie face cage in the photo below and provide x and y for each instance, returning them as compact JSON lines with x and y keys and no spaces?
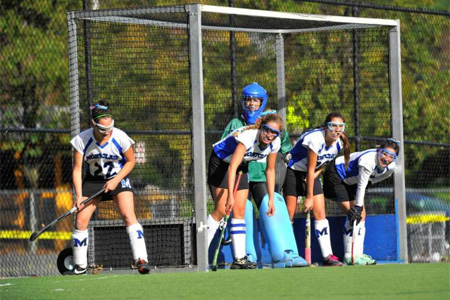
{"x":171,"y":73}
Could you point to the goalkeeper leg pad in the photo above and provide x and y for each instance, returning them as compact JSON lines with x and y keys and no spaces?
{"x":279,"y":234}
{"x":249,"y":238}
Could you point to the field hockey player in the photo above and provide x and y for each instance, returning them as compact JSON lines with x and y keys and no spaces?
{"x":254,"y":99}
{"x":230,"y":156}
{"x":347,"y":184}
{"x":108,"y":154}
{"x":315,"y":149}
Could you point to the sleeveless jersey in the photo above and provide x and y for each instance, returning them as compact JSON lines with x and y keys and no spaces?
{"x":368,"y":160}
{"x":225,"y":148}
{"x":103,"y":161}
{"x":314,"y":140}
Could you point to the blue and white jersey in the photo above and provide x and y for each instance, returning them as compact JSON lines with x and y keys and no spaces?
{"x":104,"y":161}
{"x":314,"y":140}
{"x":368,"y":160}
{"x":361,"y":169}
{"x":225,"y":148}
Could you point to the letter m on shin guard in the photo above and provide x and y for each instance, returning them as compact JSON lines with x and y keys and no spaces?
{"x":323,"y":232}
{"x":78,"y":243}
{"x":140,"y":234}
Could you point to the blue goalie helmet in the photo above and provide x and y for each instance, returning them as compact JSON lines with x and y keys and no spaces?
{"x":253,"y":91}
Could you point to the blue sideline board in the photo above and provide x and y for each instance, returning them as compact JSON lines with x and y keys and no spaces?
{"x":381,"y":240}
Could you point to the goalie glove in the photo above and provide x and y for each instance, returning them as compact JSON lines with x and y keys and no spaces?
{"x":354,"y":214}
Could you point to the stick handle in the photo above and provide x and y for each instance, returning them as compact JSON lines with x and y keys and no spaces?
{"x":354,"y":233}
{"x":35,"y":235}
{"x":308,"y":237}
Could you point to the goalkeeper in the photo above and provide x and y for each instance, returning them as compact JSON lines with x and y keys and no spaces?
{"x":254,"y":99}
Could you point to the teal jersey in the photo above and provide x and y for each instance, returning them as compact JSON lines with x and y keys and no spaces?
{"x":257,"y":169}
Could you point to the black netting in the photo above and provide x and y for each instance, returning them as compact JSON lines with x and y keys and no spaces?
{"x":141,"y":65}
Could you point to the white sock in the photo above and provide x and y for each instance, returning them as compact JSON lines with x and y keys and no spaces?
{"x":213,"y":225}
{"x":323,"y":236}
{"x":238,"y":233}
{"x":137,"y":241}
{"x":347,"y":240}
{"x":80,"y":247}
{"x":359,"y":242}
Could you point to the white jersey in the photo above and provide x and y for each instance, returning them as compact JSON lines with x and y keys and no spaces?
{"x":361,"y":169}
{"x":104,"y":161}
{"x":225,"y":148}
{"x":314,"y":140}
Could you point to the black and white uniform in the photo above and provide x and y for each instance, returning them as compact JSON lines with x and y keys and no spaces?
{"x":348,"y":184}
{"x":295,"y":182}
{"x":103,"y":162}
{"x":224,"y":149}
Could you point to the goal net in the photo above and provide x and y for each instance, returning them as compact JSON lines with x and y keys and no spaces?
{"x":144,"y":61}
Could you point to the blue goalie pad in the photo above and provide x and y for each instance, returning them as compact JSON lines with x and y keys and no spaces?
{"x":250,"y":222}
{"x":279,"y":234}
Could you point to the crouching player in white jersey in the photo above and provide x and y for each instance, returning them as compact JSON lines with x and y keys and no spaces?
{"x":230,"y":156}
{"x":109,"y":157}
{"x":315,"y":149}
{"x":347,"y":185}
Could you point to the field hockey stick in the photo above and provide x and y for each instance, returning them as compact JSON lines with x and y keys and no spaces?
{"x":225,"y":220}
{"x":35,"y":235}
{"x":354,"y":233}
{"x":308,"y":237}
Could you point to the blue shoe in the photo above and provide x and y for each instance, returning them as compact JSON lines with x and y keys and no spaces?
{"x":290,"y":259}
{"x":296,"y":260}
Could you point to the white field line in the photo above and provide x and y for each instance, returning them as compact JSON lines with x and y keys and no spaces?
{"x":5,"y":284}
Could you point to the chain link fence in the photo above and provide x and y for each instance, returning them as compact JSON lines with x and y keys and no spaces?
{"x":35,"y":152}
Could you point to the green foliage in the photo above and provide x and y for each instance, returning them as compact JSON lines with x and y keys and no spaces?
{"x":34,"y":73}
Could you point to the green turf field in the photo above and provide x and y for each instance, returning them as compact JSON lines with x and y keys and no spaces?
{"x":390,"y":281}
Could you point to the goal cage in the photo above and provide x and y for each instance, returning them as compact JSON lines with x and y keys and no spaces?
{"x":173,"y":76}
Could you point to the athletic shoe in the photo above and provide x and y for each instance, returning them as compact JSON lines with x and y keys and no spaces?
{"x":369,"y":260}
{"x":143,"y":266}
{"x":361,"y":260}
{"x":242,"y":263}
{"x":331,"y":260}
{"x":294,"y":260}
{"x":252,"y":260}
{"x":77,"y":270}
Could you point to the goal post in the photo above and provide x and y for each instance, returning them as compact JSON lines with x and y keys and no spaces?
{"x":166,"y":72}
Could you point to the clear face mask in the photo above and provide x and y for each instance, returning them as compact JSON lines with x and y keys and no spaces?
{"x":103,"y":129}
{"x":336,"y":126}
{"x":270,"y":132}
{"x":386,"y":157}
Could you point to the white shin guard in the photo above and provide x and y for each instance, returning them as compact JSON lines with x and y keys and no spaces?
{"x":137,"y":241}
{"x":213,"y":225}
{"x":238,"y":234}
{"x":323,"y":236}
{"x":80,"y":247}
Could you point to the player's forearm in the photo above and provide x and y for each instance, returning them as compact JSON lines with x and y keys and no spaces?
{"x":363,"y":180}
{"x":127,"y":168}
{"x":77,"y":182}
{"x":270,"y":175}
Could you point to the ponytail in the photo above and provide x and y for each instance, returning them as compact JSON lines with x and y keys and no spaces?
{"x":346,"y":149}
